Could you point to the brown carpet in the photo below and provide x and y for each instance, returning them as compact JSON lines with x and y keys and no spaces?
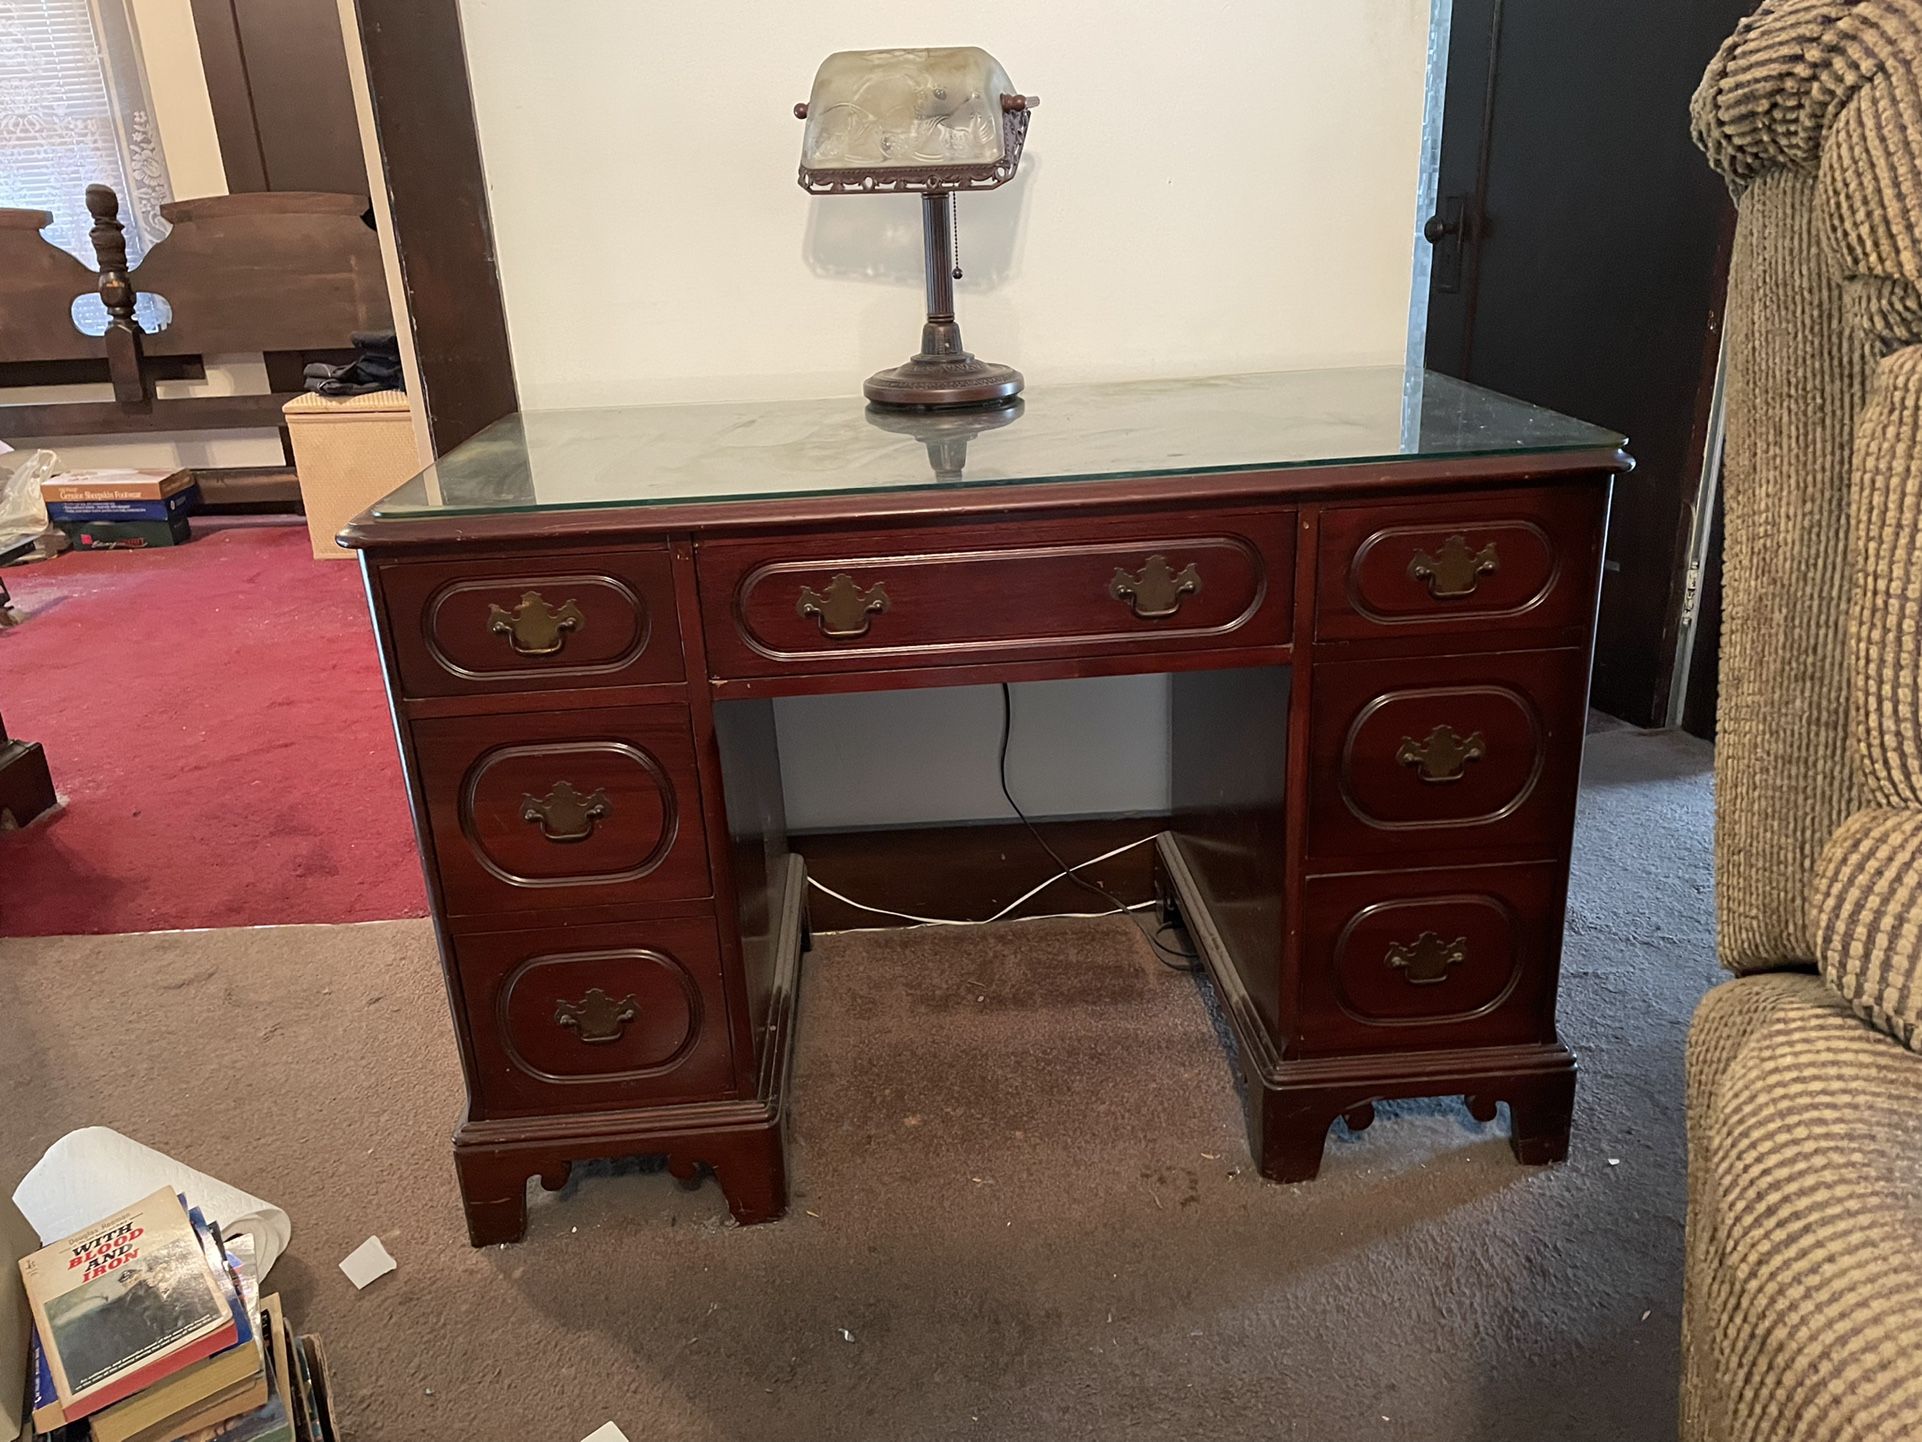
{"x":1024,"y":1206}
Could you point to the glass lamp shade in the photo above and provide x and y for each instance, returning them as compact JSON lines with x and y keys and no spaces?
{"x":918,"y":120}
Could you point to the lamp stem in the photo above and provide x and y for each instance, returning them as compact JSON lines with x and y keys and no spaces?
{"x":937,"y":234}
{"x":942,"y":373}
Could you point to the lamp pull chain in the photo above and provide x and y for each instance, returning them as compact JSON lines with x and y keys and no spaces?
{"x":954,"y":211}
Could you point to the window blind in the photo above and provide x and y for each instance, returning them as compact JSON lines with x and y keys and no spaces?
{"x":73,"y":112}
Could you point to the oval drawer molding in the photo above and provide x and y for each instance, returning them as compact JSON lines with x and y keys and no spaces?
{"x":562,"y":808}
{"x":939,"y":596}
{"x":1416,"y":760}
{"x":539,"y":814}
{"x":594,"y":1016}
{"x":1430,"y":961}
{"x":1417,"y":573}
{"x":590,"y":620}
{"x":1409,"y":960}
{"x":1529,"y":560}
{"x":1423,"y":757}
{"x":598,"y":1016}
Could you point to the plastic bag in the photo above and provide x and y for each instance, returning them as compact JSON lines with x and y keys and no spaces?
{"x":23,"y":513}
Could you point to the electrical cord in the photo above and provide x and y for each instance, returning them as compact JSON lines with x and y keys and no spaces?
{"x":1186,"y":960}
{"x":1032,"y":891}
{"x":1065,"y":873}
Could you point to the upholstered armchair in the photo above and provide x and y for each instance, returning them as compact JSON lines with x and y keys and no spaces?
{"x":1803,"y":1307}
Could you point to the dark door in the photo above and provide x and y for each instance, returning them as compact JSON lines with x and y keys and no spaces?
{"x":282,"y":101}
{"x":1580,"y":253}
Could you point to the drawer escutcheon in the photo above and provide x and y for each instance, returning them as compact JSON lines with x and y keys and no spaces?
{"x":1456,"y":571}
{"x":1426,"y":960}
{"x":534,"y":628}
{"x":1443,"y":756}
{"x":1156,"y":593}
{"x":597,"y":1016}
{"x":564,"y":814}
{"x":844,"y":611}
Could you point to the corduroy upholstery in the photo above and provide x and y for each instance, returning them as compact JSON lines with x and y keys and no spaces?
{"x":1803,"y":1306}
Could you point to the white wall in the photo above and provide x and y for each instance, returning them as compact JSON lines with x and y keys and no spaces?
{"x":1206,"y":189}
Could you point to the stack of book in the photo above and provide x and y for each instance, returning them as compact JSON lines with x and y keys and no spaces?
{"x":122,"y":509}
{"x":149,"y":1327}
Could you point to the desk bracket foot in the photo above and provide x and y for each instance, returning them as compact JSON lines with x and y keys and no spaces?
{"x":741,"y":1143}
{"x":1293,"y":1101}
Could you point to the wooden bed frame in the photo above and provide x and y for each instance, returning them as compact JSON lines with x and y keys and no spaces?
{"x":288,"y":274}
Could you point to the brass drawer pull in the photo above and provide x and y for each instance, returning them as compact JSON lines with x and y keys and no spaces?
{"x":1455,"y":571}
{"x":1426,"y":960}
{"x":1156,"y":593}
{"x":597,"y":1016}
{"x":844,"y":610}
{"x":564,"y":814}
{"x":1443,"y":756}
{"x":535,"y":628}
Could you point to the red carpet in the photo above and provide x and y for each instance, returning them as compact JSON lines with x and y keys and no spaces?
{"x":215,"y":718}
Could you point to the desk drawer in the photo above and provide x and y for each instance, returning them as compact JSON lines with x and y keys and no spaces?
{"x":1504,"y":561}
{"x":1463,"y":956}
{"x":566,"y":808}
{"x":574,"y":1018}
{"x":534,"y":623}
{"x":1449,"y":752}
{"x":954,"y":595}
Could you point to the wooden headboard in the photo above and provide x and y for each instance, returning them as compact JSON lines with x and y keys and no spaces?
{"x":273,"y":271}
{"x":286,"y":274}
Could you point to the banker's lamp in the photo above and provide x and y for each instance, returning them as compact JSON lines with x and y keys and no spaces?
{"x":926,"y":122}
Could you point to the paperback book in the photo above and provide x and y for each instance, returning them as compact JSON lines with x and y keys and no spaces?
{"x":124,"y":1303}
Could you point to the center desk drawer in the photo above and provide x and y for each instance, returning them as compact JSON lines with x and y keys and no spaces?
{"x":954,"y":595}
{"x":565,"y":808}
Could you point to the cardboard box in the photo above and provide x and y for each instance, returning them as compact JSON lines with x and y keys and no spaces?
{"x":124,"y":483}
{"x":349,"y":451}
{"x":127,"y":535}
{"x":180,"y":503}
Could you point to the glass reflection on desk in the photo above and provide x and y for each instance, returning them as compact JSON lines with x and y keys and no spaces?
{"x":743,"y":450}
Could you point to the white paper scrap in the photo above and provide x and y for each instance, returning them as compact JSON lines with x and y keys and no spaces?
{"x":606,"y":1432}
{"x":94,"y":1172}
{"x":366,"y":1262}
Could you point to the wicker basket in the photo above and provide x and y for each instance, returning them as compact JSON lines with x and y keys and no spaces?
{"x":349,"y":451}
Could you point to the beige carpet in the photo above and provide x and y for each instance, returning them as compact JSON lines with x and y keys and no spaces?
{"x":1024,"y":1205}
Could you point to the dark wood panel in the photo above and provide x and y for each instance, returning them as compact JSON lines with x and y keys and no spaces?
{"x":970,"y":872}
{"x":756,"y":841}
{"x":26,"y":783}
{"x":1415,"y":757}
{"x":568,"y":808}
{"x":952,"y":595}
{"x":1230,"y":787}
{"x":536,"y":622}
{"x":437,"y":196}
{"x":1473,"y":564}
{"x":282,"y":101}
{"x":289,"y":271}
{"x":816,"y":682}
{"x":183,"y":413}
{"x":1458,"y":957}
{"x":570,"y":1018}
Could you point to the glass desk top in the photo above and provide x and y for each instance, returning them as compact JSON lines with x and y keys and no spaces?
{"x":763,"y":450}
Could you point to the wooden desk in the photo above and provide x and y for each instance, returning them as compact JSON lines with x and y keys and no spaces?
{"x":1375,"y":593}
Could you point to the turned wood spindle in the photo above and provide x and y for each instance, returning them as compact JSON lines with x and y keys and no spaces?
{"x":124,"y":355}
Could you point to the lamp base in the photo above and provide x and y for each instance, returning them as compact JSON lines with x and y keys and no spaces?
{"x":942,"y":380}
